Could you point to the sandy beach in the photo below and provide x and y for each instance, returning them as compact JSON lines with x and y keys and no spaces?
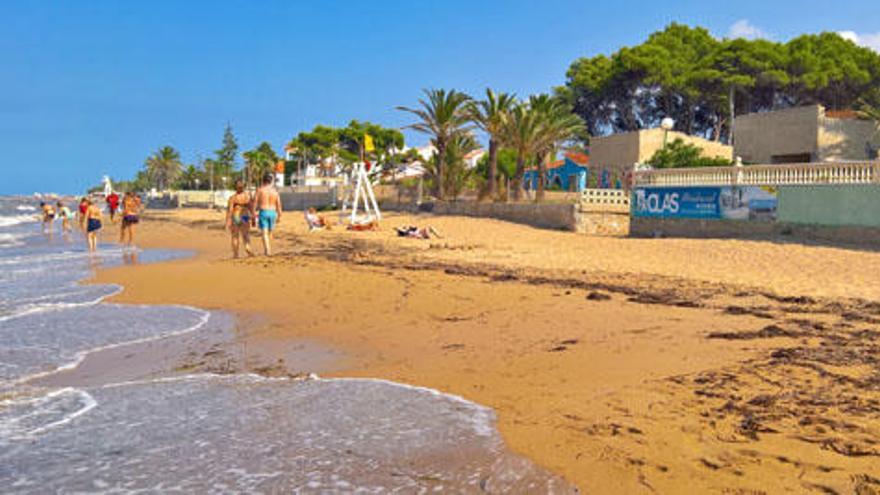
{"x":624,"y":365}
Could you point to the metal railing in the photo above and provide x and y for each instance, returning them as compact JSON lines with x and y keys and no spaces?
{"x":764,"y":175}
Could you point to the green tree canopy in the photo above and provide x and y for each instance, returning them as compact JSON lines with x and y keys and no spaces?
{"x":163,"y":167}
{"x":685,"y":73}
{"x":679,"y":154}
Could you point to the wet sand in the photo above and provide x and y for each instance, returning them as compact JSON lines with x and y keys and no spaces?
{"x":624,"y":365}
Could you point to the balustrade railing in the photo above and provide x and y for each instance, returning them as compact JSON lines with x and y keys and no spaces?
{"x":764,"y":175}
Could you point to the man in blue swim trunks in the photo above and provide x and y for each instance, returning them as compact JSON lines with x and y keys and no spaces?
{"x":268,"y":202}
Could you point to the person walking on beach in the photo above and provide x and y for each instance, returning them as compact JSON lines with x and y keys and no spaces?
{"x":93,"y":225}
{"x":65,"y":214}
{"x":113,"y":204}
{"x":131,"y":208}
{"x":268,"y":202}
{"x":81,"y":212}
{"x":239,"y":217}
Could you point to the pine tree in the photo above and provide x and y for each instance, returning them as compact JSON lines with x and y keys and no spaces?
{"x":226,"y":156}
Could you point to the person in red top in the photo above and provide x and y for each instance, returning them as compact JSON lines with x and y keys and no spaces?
{"x":83,"y":208}
{"x":113,"y":203}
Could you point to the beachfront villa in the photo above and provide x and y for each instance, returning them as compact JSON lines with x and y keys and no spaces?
{"x":568,"y":174}
{"x":804,"y":135}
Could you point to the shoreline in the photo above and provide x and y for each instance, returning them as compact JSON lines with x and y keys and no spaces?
{"x":610,"y":409}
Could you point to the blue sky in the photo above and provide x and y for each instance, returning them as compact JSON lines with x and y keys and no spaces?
{"x":91,"y":87}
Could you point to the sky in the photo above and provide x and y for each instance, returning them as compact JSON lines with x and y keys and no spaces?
{"x":89,"y":88}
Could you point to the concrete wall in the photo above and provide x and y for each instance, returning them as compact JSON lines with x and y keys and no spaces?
{"x":618,"y":152}
{"x":802,"y":130}
{"x":835,"y":205}
{"x":302,"y":200}
{"x":651,"y":141}
{"x":723,"y":229}
{"x":845,"y":139}
{"x":760,"y":136}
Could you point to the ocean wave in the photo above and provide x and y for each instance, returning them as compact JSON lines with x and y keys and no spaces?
{"x":9,"y":221}
{"x":25,"y":208}
{"x":29,"y":309}
{"x":23,"y":418}
{"x":80,"y":356}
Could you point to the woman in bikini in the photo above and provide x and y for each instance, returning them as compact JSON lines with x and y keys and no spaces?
{"x":239,"y":217}
{"x":131,"y":206}
{"x":93,"y":225}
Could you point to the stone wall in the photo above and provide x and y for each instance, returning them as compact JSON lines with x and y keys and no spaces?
{"x":561,"y":216}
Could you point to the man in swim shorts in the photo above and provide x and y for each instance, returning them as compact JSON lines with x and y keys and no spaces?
{"x":268,"y":203}
{"x":131,"y":206}
{"x":93,"y":225}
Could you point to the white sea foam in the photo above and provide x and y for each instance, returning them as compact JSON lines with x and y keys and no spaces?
{"x":25,"y":208}
{"x":79,"y":357}
{"x":23,"y":418}
{"x":29,"y":309}
{"x":9,"y":221}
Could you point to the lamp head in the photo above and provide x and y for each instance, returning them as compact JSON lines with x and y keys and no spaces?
{"x":667,"y":124}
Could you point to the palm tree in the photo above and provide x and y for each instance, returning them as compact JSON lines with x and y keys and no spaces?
{"x":522,"y":134}
{"x":442,"y":115}
{"x":490,"y":115}
{"x":557,"y":125}
{"x":163,"y":166}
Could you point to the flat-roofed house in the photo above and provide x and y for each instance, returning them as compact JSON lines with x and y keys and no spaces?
{"x":805,"y":134}
{"x":617,"y":153}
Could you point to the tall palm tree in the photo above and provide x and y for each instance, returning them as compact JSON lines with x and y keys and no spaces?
{"x":490,"y":115}
{"x":442,"y":115}
{"x":164,"y":166}
{"x":522,"y":134}
{"x":557,"y":125}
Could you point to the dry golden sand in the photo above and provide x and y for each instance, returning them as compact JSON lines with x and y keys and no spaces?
{"x":625,"y":365}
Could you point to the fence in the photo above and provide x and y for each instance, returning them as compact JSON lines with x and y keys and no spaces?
{"x":764,"y":175}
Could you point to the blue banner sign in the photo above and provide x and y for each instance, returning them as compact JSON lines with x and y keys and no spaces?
{"x":731,"y":203}
{"x":678,"y":202}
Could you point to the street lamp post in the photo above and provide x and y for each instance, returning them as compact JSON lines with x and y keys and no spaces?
{"x":667,"y":124}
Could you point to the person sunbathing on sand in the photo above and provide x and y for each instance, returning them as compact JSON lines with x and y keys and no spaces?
{"x":316,"y":221}
{"x":363,"y":225}
{"x":417,"y":233}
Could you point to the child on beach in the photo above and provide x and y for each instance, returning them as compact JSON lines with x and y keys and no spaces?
{"x":239,"y":218}
{"x":93,"y":225}
{"x":268,"y":202}
{"x":65,"y":214}
{"x":131,"y":206}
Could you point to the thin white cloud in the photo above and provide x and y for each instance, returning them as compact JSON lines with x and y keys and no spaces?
{"x":745,"y":29}
{"x":870,"y":40}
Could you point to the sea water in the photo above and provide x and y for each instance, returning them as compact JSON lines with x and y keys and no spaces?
{"x":206,"y":433}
